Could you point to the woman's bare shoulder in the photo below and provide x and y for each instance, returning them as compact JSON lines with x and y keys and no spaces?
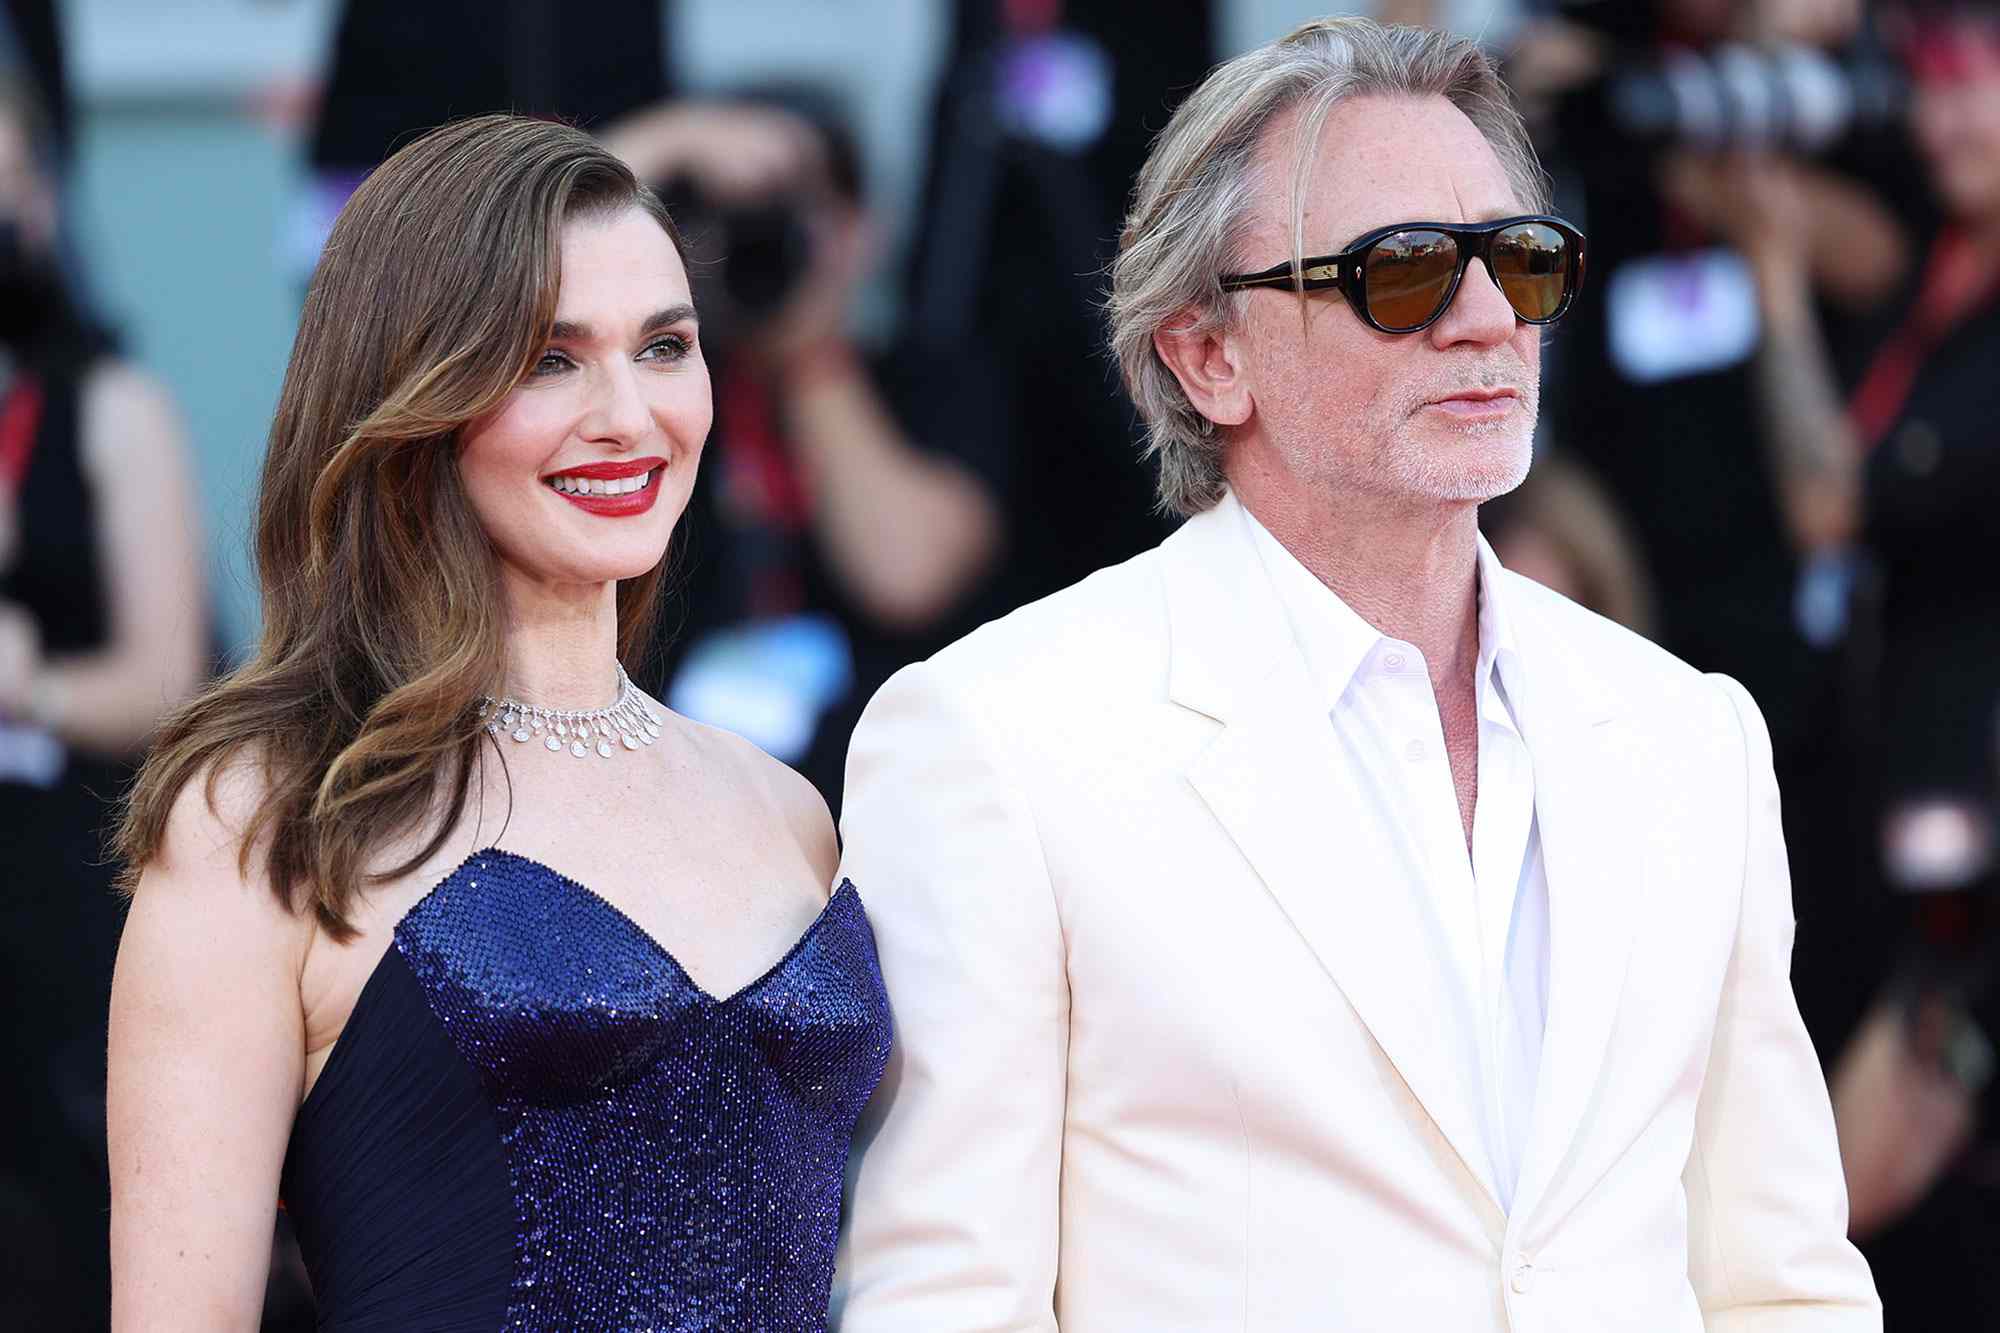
{"x":206,"y":871}
{"x":779,"y":789}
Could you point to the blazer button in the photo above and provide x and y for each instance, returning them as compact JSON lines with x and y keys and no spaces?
{"x":1524,"y":1277}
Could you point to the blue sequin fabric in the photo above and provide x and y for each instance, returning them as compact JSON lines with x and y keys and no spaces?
{"x":674,"y":1161}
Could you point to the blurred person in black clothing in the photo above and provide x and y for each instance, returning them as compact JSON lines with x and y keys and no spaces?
{"x":398,"y":69}
{"x":1654,"y":387}
{"x":853,"y":511}
{"x":1042,"y":119}
{"x":1892,"y":449}
{"x":31,"y":52}
{"x":102,"y":629}
{"x":1892,"y":444}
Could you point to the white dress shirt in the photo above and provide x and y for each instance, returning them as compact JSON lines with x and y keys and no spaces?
{"x":1490,"y":911}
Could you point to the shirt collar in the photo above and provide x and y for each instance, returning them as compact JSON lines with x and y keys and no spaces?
{"x":1336,"y":641}
{"x":1499,"y":654}
{"x":1497,"y":645}
{"x":1333,"y":637}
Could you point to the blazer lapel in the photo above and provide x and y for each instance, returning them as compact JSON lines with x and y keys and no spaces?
{"x":1591,"y":815}
{"x":1326,"y":848}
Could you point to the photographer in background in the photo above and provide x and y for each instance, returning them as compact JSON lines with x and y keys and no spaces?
{"x":102,"y":630}
{"x":1655,"y":383}
{"x":848,"y":509}
{"x":1657,"y":376}
{"x":1898,"y":457}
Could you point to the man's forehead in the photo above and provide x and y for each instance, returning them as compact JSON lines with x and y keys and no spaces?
{"x":1382,"y":160}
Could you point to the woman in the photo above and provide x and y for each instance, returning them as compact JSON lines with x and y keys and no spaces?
{"x":101,"y":631}
{"x":440,"y":927}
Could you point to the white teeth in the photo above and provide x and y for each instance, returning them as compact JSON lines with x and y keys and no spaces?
{"x":570,"y":485}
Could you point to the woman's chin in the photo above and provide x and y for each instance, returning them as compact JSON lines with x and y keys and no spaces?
{"x":571,"y":577}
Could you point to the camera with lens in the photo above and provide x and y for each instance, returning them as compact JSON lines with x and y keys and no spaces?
{"x":1708,"y":91}
{"x":1793,"y":98}
{"x":749,"y":256}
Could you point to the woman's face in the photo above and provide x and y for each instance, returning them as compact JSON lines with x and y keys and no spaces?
{"x":581,"y":474}
{"x":1956,"y":118}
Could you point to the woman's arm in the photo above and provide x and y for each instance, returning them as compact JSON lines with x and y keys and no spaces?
{"x":206,"y":1071}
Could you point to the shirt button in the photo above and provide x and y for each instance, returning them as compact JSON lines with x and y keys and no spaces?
{"x":1524,"y":1278}
{"x":1414,"y":751}
{"x":1394,"y":662}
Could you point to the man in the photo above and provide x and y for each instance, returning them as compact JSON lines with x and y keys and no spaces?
{"x":1307,"y":924}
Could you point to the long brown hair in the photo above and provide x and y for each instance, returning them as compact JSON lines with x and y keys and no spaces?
{"x":382,"y":620}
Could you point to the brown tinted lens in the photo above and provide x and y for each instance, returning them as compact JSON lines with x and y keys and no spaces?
{"x":1408,"y":275}
{"x":1531,"y":264}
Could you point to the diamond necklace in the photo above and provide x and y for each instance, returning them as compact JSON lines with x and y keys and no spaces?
{"x":629,"y":722}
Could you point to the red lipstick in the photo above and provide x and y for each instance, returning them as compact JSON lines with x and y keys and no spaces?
{"x":622,"y":505}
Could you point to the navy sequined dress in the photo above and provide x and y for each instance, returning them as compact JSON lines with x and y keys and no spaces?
{"x":536,"y":1120}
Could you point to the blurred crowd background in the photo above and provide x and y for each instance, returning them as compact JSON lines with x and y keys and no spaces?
{"x":1770,"y":434}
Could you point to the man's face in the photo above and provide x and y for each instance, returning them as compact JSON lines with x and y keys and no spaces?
{"x":1399,"y":417}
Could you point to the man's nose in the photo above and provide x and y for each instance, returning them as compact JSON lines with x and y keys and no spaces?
{"x":1479,"y":311}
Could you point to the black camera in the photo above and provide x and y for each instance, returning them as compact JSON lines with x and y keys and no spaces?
{"x":748,"y":257}
{"x":1793,"y":98}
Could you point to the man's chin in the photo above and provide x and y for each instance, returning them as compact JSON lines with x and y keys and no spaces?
{"x":1468,"y":473}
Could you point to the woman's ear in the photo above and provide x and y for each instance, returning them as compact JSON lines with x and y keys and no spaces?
{"x":1209,"y":364}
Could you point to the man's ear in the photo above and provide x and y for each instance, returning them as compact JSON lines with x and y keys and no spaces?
{"x":1210,"y":367}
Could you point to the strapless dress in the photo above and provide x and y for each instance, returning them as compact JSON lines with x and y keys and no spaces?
{"x":536,"y":1120}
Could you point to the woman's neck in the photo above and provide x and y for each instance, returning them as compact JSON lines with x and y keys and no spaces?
{"x":562,"y":647}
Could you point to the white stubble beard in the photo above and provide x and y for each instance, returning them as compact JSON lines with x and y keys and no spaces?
{"x":1491,"y":460}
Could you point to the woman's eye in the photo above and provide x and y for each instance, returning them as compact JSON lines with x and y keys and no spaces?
{"x":550,"y":362}
{"x":670,"y":348}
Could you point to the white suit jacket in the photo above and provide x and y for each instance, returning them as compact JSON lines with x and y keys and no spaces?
{"x":1169,"y":1058}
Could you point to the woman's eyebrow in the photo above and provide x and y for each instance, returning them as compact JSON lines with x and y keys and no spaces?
{"x":576,"y":330}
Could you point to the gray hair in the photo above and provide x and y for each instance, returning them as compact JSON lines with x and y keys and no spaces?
{"x":1195,"y":196}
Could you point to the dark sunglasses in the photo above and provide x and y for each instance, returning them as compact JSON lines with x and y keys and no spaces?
{"x":1400,"y":278}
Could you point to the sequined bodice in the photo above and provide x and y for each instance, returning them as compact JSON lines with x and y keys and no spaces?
{"x":528,"y":1071}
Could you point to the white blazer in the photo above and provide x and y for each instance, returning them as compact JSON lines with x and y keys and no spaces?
{"x":1168,"y":1059}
